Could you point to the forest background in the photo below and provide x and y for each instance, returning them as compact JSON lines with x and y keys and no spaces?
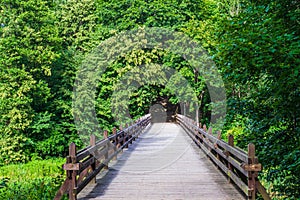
{"x":254,"y":44}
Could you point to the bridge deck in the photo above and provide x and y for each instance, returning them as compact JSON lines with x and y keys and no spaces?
{"x":163,"y":163}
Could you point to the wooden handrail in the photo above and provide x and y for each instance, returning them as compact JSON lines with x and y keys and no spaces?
{"x":83,"y":166}
{"x":240,"y":166}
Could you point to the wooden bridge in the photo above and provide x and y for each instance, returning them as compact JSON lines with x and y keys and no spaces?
{"x":162,"y":161}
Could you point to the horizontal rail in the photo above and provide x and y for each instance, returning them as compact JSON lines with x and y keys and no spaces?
{"x":241,"y":167}
{"x":83,"y":166}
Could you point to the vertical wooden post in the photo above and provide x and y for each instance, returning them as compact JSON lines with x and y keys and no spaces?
{"x":105,"y":134}
{"x":93,"y":165}
{"x":216,"y":145}
{"x":251,"y":174}
{"x":210,"y":130}
{"x":137,"y":130}
{"x":204,"y":128}
{"x":231,"y":143}
{"x":122,"y":134}
{"x":126,"y":136}
{"x":133,"y":132}
{"x":72,"y":157}
{"x":207,"y":139}
{"x":201,"y":136}
{"x":114,"y":132}
{"x":219,"y":136}
{"x":196,"y":131}
{"x":130,"y":133}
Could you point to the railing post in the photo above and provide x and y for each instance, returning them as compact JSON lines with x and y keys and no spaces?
{"x":105,"y":134}
{"x":114,"y":132}
{"x":251,"y":174}
{"x":207,"y":139}
{"x":72,"y":173}
{"x":216,"y":144}
{"x":231,"y":143}
{"x":122,"y":134}
{"x":133,"y":131}
{"x":138,"y":128}
{"x":93,"y":165}
{"x":126,"y":136}
{"x":201,"y":136}
{"x":204,"y":128}
{"x":130,"y":133}
{"x":210,"y":130}
{"x":196,"y":132}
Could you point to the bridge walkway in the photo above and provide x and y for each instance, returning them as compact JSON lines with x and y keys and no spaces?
{"x":163,"y":163}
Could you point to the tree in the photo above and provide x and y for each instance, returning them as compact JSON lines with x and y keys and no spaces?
{"x":28,"y":47}
{"x":260,"y":64}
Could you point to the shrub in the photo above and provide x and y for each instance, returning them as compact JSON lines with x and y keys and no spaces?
{"x":13,"y":149}
{"x":39,"y":179}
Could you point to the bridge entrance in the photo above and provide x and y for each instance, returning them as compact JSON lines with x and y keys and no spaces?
{"x":164,"y":111}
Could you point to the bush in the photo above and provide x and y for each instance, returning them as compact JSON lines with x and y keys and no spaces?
{"x":40,"y":188}
{"x":13,"y":149}
{"x":34,"y":180}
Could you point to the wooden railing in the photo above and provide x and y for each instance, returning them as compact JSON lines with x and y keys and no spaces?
{"x":83,"y":166}
{"x":240,"y":167}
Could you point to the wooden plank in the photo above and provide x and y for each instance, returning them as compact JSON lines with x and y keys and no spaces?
{"x":71,"y":166}
{"x":238,"y":165}
{"x":63,"y":189}
{"x":262,"y":190}
{"x":83,"y":174}
{"x":89,"y":178}
{"x":95,"y":172}
{"x":232,"y":161}
{"x":102,"y":153}
{"x":252,"y":167}
{"x":83,"y":165}
{"x":83,"y":154}
{"x":230,"y":174}
{"x":90,"y":149}
{"x":240,"y":155}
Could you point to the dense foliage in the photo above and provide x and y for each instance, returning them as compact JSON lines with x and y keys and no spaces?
{"x":35,"y":180}
{"x":255,"y":45}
